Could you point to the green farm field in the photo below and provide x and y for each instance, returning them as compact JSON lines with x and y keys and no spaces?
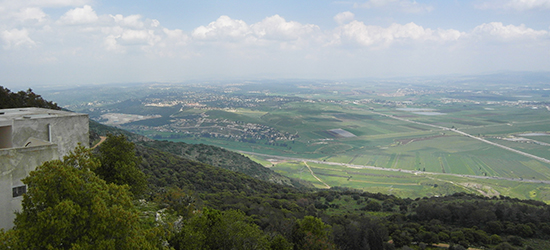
{"x":449,"y":134}
{"x":415,"y":160}
{"x":383,"y":141}
{"x":403,"y":184}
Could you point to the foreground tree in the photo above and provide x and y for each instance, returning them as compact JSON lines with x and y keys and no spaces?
{"x":213,"y":229}
{"x":68,"y":206}
{"x":120,"y":165}
{"x":311,"y":233}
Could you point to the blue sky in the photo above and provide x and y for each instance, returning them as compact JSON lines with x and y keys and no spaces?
{"x":77,"y":42}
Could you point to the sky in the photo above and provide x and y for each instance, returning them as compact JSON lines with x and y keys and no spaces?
{"x":81,"y":42}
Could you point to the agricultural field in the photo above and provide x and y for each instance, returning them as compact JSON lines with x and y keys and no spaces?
{"x":398,"y":145}
{"x":407,"y":139}
{"x":407,"y":184}
{"x":385,"y":142}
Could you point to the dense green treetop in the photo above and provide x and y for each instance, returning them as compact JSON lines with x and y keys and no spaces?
{"x":214,"y":229}
{"x":223,"y":158}
{"x":119,"y":164}
{"x":68,"y":206}
{"x":23,"y":99}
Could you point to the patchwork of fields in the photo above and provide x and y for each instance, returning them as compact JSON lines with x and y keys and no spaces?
{"x":420,"y":138}
{"x":393,"y":144}
{"x":389,"y":143}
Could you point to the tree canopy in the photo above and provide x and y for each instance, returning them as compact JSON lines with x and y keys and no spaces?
{"x":214,"y":229}
{"x":22,"y":99}
{"x":120,"y":165}
{"x":68,"y":206}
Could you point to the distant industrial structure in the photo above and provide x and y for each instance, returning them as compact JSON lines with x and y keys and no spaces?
{"x":28,"y":138}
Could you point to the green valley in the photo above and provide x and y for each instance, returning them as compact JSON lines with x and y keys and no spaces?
{"x":409,"y":137}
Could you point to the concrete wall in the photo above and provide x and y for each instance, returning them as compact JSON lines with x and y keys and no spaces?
{"x":16,"y":164}
{"x":66,"y":131}
{"x":5,"y":137}
{"x":37,"y":135}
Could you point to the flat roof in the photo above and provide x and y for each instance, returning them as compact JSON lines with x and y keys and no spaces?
{"x":7,"y":115}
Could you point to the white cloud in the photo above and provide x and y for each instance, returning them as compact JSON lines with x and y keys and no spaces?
{"x":277,"y":28}
{"x":370,"y":35}
{"x":84,"y":15}
{"x":224,"y":27}
{"x":13,"y":6}
{"x":111,"y":44}
{"x":519,"y":5}
{"x":56,"y":3}
{"x":82,"y":29}
{"x":344,"y":17}
{"x":30,"y":14}
{"x":139,"y":37}
{"x":407,"y":6}
{"x":125,"y":34}
{"x":15,"y":38}
{"x":271,"y":30}
{"x":177,"y":36}
{"x":499,"y":31}
{"x":133,"y":21}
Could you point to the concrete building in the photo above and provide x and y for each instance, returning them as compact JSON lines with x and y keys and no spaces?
{"x":29,"y":137}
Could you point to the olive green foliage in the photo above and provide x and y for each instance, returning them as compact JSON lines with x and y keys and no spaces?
{"x":311,"y":233}
{"x":219,"y":157}
{"x":22,"y":99}
{"x":279,"y":242}
{"x":504,"y":246}
{"x":175,"y":199}
{"x":219,"y":188}
{"x":68,"y":206}
{"x":8,"y":239}
{"x":214,"y":229}
{"x":373,"y":206}
{"x":119,"y":164}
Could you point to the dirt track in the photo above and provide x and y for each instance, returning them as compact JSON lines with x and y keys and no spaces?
{"x":313,"y":174}
{"x":100,"y":141}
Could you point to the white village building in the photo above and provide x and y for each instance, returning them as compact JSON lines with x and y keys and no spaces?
{"x":29,"y":137}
